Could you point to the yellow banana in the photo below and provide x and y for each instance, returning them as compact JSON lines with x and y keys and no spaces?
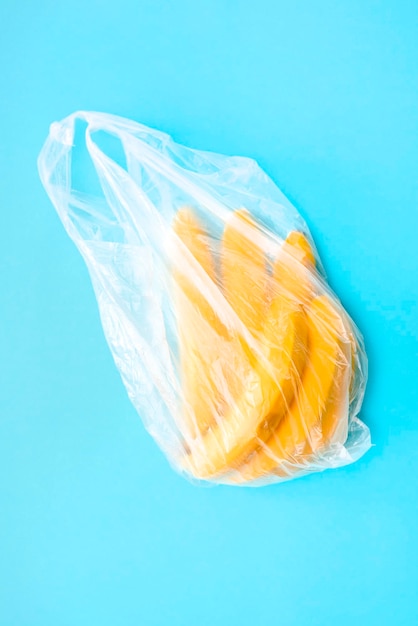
{"x":244,"y":270}
{"x":200,"y":330}
{"x":267,"y":390}
{"x":213,"y":359}
{"x":334,"y":422}
{"x":320,"y":396}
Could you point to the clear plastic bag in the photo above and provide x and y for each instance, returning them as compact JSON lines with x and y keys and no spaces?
{"x":241,"y":362}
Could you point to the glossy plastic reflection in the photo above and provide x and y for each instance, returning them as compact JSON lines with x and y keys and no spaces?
{"x":239,"y":359}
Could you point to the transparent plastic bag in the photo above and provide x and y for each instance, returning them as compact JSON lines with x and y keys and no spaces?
{"x":241,"y":362}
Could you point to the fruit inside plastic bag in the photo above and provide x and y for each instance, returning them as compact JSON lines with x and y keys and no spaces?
{"x":241,"y":362}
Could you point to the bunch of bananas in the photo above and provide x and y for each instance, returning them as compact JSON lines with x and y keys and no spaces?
{"x":267,"y":355}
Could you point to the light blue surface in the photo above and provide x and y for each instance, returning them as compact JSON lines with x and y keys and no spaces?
{"x":95,"y":528}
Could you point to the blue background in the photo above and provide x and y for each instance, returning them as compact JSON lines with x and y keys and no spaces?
{"x":95,"y":528}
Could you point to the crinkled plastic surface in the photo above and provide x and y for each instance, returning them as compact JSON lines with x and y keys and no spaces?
{"x":240,"y":360}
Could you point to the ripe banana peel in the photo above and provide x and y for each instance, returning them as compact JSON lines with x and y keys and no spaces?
{"x":269,"y":400}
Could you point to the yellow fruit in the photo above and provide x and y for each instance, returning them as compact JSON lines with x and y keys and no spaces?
{"x":320,"y":396}
{"x":200,"y":330}
{"x":244,"y":270}
{"x":263,"y":403}
{"x":281,"y":332}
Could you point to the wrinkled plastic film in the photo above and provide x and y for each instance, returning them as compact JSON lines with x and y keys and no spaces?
{"x":240,"y":360}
